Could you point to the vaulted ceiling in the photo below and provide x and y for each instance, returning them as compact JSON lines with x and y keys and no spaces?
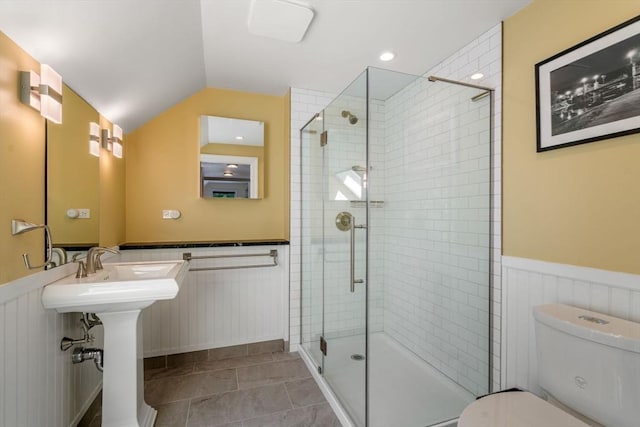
{"x":132,"y":59}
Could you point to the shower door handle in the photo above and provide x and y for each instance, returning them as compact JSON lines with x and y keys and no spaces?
{"x":345,"y":221}
{"x":353,"y":256}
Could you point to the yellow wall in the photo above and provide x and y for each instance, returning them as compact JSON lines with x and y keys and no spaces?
{"x":22,"y":154}
{"x":22,"y":167}
{"x":73,"y":175}
{"x":112,"y":193}
{"x":578,"y":205}
{"x":163,"y":173}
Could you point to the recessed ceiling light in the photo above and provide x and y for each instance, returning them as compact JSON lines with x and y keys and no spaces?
{"x":232,"y":166}
{"x":477,"y":76}
{"x":387,"y":56}
{"x":239,"y":137}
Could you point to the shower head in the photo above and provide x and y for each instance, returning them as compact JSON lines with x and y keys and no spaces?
{"x":352,"y":118}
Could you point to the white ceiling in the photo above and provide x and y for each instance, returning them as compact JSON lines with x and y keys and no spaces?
{"x":132,"y":59}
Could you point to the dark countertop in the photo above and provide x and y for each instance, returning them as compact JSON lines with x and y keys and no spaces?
{"x":181,"y":245}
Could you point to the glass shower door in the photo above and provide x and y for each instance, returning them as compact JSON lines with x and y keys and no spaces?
{"x":345,"y":247}
{"x":312,"y":273}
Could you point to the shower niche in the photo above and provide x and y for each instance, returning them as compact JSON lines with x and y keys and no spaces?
{"x":396,"y":248}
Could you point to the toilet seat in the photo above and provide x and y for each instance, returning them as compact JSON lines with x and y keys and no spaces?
{"x":515,"y":409}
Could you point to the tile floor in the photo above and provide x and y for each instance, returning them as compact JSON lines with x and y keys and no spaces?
{"x":234,"y":387}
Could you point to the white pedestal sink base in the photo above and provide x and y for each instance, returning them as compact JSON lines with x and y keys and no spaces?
{"x":116,"y":294}
{"x":123,"y":402}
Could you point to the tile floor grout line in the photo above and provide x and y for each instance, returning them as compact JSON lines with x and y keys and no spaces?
{"x":186,"y":421}
{"x":286,"y":389}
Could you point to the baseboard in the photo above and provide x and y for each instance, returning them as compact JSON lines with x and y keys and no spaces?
{"x":90,"y":408}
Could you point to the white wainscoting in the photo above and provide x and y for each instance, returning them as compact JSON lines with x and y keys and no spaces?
{"x":39,"y":386}
{"x":527,"y":283}
{"x":218,"y":308}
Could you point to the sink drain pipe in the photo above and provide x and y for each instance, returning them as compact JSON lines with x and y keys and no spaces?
{"x":80,"y":354}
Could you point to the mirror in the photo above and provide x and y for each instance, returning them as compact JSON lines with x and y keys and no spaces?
{"x":73,"y":177}
{"x":231,"y":158}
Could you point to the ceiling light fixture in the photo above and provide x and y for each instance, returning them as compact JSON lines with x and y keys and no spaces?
{"x":239,"y":137}
{"x":227,"y":173}
{"x":477,"y":76}
{"x":43,"y":92}
{"x":387,"y":56}
{"x":232,"y":166}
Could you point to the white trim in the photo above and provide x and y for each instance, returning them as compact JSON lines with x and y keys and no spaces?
{"x":586,"y":274}
{"x":87,"y":404}
{"x":344,"y":419}
{"x":504,"y":293}
{"x":206,"y":346}
{"x":24,"y":285}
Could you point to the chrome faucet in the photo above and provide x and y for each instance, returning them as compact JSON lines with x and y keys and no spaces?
{"x":93,"y":258}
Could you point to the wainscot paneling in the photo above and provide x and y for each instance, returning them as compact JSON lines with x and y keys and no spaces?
{"x":39,"y":386}
{"x":527,"y":283}
{"x":218,"y":308}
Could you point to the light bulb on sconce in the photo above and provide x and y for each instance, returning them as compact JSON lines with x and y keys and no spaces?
{"x":94,"y":139}
{"x":117,"y":141}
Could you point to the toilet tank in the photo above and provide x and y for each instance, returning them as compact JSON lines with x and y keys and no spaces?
{"x":590,"y":362}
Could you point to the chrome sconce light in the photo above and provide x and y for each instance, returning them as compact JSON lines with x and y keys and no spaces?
{"x":43,"y":92}
{"x":94,"y":139}
{"x":113,"y":142}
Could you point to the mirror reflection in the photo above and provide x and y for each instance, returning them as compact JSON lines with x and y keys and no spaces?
{"x":231,"y":158}
{"x":73,"y":177}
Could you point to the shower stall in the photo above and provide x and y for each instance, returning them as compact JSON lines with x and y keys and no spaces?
{"x":396,"y":248}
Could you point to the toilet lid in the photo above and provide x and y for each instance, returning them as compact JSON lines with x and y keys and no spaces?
{"x":515,"y":409}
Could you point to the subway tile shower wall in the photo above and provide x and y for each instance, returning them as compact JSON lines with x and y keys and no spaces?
{"x":403,"y":139}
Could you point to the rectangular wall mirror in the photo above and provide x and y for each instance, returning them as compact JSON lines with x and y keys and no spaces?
{"x":231,"y":158}
{"x":73,"y":176}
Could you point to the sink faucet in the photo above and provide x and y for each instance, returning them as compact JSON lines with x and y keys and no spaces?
{"x":93,"y":258}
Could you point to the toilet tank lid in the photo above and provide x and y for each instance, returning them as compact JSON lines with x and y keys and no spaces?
{"x":592,"y":326}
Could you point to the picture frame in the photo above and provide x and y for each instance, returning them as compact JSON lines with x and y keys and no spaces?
{"x":590,"y":91}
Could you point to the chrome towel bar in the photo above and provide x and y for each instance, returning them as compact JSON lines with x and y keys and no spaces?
{"x":273,"y":253}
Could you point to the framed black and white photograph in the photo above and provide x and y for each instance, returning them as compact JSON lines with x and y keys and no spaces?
{"x":591,"y":91}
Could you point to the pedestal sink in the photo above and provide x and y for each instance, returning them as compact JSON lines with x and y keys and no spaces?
{"x":117,"y":294}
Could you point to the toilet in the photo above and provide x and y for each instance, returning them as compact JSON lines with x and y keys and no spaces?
{"x":588,"y":365}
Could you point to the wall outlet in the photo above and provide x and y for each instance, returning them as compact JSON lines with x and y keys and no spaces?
{"x":84,"y":213}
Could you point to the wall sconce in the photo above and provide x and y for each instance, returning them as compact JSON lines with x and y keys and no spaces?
{"x":43,"y":92}
{"x":94,"y":139}
{"x":113,"y":143}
